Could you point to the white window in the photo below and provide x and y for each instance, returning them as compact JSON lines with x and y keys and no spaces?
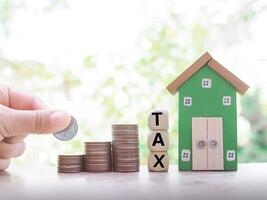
{"x":226,"y":100}
{"x":187,"y":101}
{"x":206,"y":83}
{"x":230,"y":155}
{"x":186,"y":155}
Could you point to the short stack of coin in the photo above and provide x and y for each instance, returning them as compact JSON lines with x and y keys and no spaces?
{"x":125,"y":148}
{"x":97,"y":157}
{"x":70,"y":163}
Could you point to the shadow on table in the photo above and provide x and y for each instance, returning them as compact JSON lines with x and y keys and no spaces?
{"x":199,"y":177}
{"x":8,"y":179}
{"x":4,"y":174}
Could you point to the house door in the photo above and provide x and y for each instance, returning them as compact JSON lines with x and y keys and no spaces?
{"x":207,"y":143}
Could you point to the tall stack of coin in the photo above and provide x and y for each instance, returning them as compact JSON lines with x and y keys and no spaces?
{"x":70,"y":163}
{"x":97,"y":157}
{"x":125,"y":147}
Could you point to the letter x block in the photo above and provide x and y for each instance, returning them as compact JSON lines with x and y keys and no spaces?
{"x":158,"y":141}
{"x":158,"y":120}
{"x":158,"y":162}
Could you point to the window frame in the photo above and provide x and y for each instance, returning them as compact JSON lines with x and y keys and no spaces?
{"x":188,"y":152}
{"x":209,"y":85}
{"x":228,"y":99}
{"x":189,"y":99}
{"x":233,"y":158}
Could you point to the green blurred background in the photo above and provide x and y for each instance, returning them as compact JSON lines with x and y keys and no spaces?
{"x":109,"y":62}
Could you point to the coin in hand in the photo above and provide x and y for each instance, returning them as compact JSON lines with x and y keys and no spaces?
{"x":69,"y":132}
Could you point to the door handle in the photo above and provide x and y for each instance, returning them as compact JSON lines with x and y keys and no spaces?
{"x":201,"y":144}
{"x":213,"y":143}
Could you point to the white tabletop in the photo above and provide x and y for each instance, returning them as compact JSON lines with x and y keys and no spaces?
{"x":249,"y":182}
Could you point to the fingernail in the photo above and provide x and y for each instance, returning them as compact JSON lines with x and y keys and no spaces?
{"x":60,"y":119}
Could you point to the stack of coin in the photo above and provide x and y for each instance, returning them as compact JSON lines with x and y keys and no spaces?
{"x":125,"y":147}
{"x":70,"y":163}
{"x":97,"y":157}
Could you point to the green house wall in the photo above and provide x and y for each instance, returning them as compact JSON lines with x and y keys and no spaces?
{"x":207,"y":102}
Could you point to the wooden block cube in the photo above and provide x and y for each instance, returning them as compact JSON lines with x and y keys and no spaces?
{"x":158,"y":141}
{"x":158,"y":162}
{"x":158,"y":120}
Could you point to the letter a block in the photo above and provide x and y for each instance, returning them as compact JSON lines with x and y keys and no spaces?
{"x":158,"y":161}
{"x":158,"y":120}
{"x":158,"y":141}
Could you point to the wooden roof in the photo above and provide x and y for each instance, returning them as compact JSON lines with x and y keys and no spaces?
{"x":206,"y":58}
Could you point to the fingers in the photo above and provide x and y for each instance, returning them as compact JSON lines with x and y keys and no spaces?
{"x":1,"y":138}
{"x":4,"y":163}
{"x":23,"y":101}
{"x":14,"y":139}
{"x":20,"y":122}
{"x":11,"y":150}
{"x":4,"y":99}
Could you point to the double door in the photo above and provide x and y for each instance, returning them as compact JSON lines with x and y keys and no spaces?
{"x":207,"y":143}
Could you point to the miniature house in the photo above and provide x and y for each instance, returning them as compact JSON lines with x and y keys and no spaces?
{"x":207,"y":118}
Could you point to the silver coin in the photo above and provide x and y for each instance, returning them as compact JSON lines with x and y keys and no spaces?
{"x":69,"y":132}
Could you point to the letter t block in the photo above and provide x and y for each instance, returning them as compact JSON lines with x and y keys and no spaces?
{"x":158,"y":120}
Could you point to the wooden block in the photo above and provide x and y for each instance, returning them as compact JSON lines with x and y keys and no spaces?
{"x":158,"y":141}
{"x":158,"y":162}
{"x":215,"y":140}
{"x":158,"y":120}
{"x":199,"y":143}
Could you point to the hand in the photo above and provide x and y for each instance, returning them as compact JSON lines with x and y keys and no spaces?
{"x":21,"y":114}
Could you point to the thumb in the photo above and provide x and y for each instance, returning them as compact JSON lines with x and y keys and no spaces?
{"x":35,"y":121}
